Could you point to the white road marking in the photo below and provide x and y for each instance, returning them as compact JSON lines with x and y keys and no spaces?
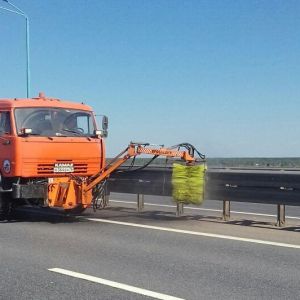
{"x":115,"y":284}
{"x":212,"y":235}
{"x":205,"y":209}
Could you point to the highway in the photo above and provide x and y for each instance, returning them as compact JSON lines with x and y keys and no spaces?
{"x":118,"y":253}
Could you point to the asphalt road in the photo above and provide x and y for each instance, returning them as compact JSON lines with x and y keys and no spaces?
{"x":197,"y":256}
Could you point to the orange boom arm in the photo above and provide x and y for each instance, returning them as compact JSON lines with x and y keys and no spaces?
{"x":165,"y":152}
{"x":76,"y":191}
{"x":132,"y":151}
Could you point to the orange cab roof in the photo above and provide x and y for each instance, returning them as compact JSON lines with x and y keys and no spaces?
{"x":42,"y":101}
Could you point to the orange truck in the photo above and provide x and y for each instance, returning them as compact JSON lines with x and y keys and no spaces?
{"x":53,"y":154}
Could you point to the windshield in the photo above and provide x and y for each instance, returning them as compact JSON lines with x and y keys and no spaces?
{"x":55,"y":121}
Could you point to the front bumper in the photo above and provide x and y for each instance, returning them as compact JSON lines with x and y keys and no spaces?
{"x":30,"y":191}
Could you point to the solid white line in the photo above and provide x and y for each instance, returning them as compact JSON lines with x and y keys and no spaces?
{"x":115,"y":284}
{"x":212,"y":235}
{"x":205,"y":209}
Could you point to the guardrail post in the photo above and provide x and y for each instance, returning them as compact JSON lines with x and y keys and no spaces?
{"x":280,"y":215}
{"x":140,"y":202}
{"x":226,"y":210}
{"x":179,"y":209}
{"x":106,"y":200}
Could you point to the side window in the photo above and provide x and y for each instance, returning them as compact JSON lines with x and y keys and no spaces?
{"x":5,"y":127}
{"x":83,"y":123}
{"x":80,"y":122}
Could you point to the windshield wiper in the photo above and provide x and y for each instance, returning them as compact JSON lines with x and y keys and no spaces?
{"x":28,"y":134}
{"x":72,"y":131}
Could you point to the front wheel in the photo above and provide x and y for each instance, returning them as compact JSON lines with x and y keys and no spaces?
{"x":5,"y":206}
{"x":75,"y":211}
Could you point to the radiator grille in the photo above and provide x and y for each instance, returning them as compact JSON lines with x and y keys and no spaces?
{"x":48,"y":169}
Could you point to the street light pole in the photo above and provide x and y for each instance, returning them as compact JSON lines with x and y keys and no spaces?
{"x":20,"y":12}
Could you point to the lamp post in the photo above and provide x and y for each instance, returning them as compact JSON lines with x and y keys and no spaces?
{"x":20,"y":12}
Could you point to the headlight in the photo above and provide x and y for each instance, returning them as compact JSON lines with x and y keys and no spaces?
{"x":6,"y":166}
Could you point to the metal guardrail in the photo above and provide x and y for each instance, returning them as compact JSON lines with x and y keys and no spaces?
{"x":267,"y":186}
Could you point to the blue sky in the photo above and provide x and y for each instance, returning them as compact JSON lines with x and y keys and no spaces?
{"x":222,"y":75}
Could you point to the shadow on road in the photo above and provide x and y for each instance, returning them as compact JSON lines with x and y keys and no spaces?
{"x":131,"y":214}
{"x":262,"y":224}
{"x":153,"y":215}
{"x":295,"y":229}
{"x":42,"y":215}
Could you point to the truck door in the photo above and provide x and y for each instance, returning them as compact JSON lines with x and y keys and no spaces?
{"x":5,"y":144}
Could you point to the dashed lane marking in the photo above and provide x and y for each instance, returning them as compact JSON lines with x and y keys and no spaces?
{"x":115,"y":284}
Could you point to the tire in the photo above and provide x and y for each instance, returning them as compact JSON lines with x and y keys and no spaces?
{"x":5,"y":206}
{"x":75,"y":211}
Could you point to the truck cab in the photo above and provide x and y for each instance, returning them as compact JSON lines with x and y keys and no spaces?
{"x":44,"y":138}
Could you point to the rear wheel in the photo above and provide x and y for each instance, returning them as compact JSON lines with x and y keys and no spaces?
{"x":100,"y":196}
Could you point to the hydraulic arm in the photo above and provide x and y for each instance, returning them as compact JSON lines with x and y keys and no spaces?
{"x":77,"y":191}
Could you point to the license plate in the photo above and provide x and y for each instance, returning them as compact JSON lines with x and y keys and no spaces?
{"x":63,"y":168}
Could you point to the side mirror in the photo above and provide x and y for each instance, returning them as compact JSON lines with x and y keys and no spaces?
{"x":105,"y":123}
{"x":103,"y":132}
{"x":104,"y":126}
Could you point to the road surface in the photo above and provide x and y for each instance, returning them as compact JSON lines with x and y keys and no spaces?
{"x":118,"y":253}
